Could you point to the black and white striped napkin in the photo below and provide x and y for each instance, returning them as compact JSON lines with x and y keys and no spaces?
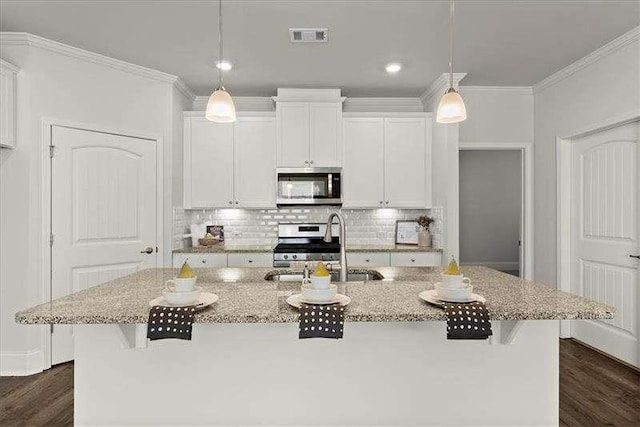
{"x":467,"y":321}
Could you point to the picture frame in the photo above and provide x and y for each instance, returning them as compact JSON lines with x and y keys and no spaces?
{"x":407,"y":232}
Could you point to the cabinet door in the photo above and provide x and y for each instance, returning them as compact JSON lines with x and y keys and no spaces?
{"x":368,"y":259}
{"x":325,"y":134}
{"x":200,"y":260}
{"x":255,"y":162}
{"x":416,"y":259}
{"x":208,"y":163}
{"x":293,"y":133}
{"x":405,"y":162}
{"x":250,"y":260}
{"x":363,"y":171}
{"x":7,"y":104}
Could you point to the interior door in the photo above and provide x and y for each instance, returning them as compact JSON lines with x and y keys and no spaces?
{"x":363,"y":171}
{"x":604,"y":227}
{"x":405,"y":163}
{"x":103,"y":214}
{"x":255,"y":162}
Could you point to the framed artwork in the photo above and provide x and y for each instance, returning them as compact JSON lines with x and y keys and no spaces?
{"x":407,"y":232}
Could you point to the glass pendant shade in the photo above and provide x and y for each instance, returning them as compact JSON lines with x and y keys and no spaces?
{"x":451,"y":108}
{"x":220,"y":108}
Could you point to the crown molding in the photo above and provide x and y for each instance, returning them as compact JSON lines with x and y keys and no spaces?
{"x":383,"y":105}
{"x":609,"y":48}
{"x":242,"y":103}
{"x":512,"y":90}
{"x":439,"y":85}
{"x":31,"y":40}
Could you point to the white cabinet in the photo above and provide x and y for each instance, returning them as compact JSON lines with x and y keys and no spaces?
{"x":363,"y":162}
{"x":208,"y":163}
{"x":368,"y":259}
{"x":262,"y":259}
{"x":387,"y":162}
{"x":229,"y":164}
{"x":416,"y":259}
{"x":254,"y":162}
{"x":200,"y":260}
{"x":8,"y":86}
{"x":309,"y":134}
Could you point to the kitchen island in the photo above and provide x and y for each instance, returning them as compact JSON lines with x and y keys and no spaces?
{"x":245,"y":365}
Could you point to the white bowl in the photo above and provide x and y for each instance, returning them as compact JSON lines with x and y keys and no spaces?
{"x":311,"y":294}
{"x":453,"y":294}
{"x":182,"y":298}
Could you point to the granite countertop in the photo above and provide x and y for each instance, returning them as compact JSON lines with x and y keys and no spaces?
{"x":245,"y":297}
{"x":222,"y":248}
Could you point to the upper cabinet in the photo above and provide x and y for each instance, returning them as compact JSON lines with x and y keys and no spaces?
{"x":387,"y":161}
{"x":309,"y":128}
{"x":229,"y":164}
{"x":8,"y":86}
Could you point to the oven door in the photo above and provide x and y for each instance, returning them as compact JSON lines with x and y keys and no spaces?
{"x":308,"y":186}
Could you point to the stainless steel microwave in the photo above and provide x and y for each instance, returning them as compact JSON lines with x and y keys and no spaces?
{"x":309,"y":186}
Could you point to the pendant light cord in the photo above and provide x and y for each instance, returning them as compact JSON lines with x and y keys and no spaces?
{"x":220,"y":51}
{"x":451,"y":10}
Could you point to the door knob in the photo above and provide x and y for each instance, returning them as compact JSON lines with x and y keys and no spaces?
{"x":148,"y":250}
{"x":635,"y":256}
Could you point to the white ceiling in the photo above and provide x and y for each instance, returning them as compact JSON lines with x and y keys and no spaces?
{"x":498,"y":42}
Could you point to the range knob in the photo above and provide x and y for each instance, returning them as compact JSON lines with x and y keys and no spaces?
{"x":295,"y":257}
{"x":286,"y":257}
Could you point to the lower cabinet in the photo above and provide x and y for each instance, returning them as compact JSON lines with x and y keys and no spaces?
{"x":416,"y":259}
{"x":250,"y":260}
{"x":200,"y":260}
{"x":368,"y":259}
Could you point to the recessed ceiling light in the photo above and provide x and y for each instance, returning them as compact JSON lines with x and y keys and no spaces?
{"x":224,"y":65}
{"x":393,"y":67}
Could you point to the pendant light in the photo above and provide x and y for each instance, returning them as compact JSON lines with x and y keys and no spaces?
{"x":220,"y":107}
{"x":451,"y":108}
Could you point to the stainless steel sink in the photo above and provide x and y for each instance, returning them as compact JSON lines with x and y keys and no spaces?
{"x":355,"y":276}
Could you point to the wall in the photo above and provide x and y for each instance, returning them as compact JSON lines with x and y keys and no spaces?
{"x":260,"y":227}
{"x":490,"y":205}
{"x":64,"y":87}
{"x":603,"y":90}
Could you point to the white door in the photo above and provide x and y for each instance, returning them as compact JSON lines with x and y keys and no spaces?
{"x":604,"y":228}
{"x":255,"y":162}
{"x":405,"y":163}
{"x":103,"y":214}
{"x":363,"y":172}
{"x":208,"y":164}
{"x":293,"y":134}
{"x":325,"y":134}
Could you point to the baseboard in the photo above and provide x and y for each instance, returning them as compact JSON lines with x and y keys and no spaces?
{"x":496,"y":265}
{"x":20,"y":363}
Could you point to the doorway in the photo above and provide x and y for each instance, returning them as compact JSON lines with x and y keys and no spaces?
{"x":103,"y":214}
{"x":495,"y":199}
{"x":604,"y":185}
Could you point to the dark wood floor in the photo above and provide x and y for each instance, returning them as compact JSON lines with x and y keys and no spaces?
{"x":594,"y":391}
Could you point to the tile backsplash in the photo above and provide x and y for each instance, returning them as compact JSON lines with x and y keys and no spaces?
{"x":260,"y":227}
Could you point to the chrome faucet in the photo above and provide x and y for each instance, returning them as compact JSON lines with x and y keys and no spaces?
{"x":343,"y":252}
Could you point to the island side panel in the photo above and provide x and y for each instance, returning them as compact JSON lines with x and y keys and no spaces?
{"x":260,"y":374}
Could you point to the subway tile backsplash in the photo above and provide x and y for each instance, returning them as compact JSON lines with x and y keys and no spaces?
{"x":260,"y":227}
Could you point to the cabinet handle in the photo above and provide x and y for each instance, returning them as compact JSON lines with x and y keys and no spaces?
{"x":306,"y":162}
{"x":381,"y":202}
{"x":635,"y":256}
{"x":230,"y":202}
{"x":367,"y":260}
{"x":310,"y":162}
{"x":387,"y":202}
{"x":204,"y":261}
{"x":413,"y":260}
{"x":250,"y":261}
{"x":236,"y":202}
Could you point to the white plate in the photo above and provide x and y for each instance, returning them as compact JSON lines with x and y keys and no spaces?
{"x":204,"y":300}
{"x":297,"y":299}
{"x":431,"y":297}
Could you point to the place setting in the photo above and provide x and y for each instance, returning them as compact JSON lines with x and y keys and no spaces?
{"x":171,"y":315}
{"x":321,"y":306}
{"x":467,"y":315}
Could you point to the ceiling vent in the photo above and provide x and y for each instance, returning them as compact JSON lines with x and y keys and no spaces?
{"x":308,"y":35}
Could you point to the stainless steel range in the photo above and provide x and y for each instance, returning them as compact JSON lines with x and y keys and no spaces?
{"x":305,"y":242}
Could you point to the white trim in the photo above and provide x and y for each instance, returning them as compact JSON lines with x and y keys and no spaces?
{"x":563,"y":199}
{"x":377,"y":114}
{"x":31,"y":40}
{"x":200,"y":113}
{"x":512,"y":90}
{"x":163,"y":240}
{"x":609,"y":48}
{"x":394,"y":104}
{"x":9,"y":66}
{"x":439,"y":85}
{"x":21,"y":363}
{"x":242,"y":103}
{"x":308,"y":95}
{"x":527,"y":174}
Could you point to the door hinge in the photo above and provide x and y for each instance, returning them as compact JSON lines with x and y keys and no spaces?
{"x":51,"y":239}
{"x":51,"y":150}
